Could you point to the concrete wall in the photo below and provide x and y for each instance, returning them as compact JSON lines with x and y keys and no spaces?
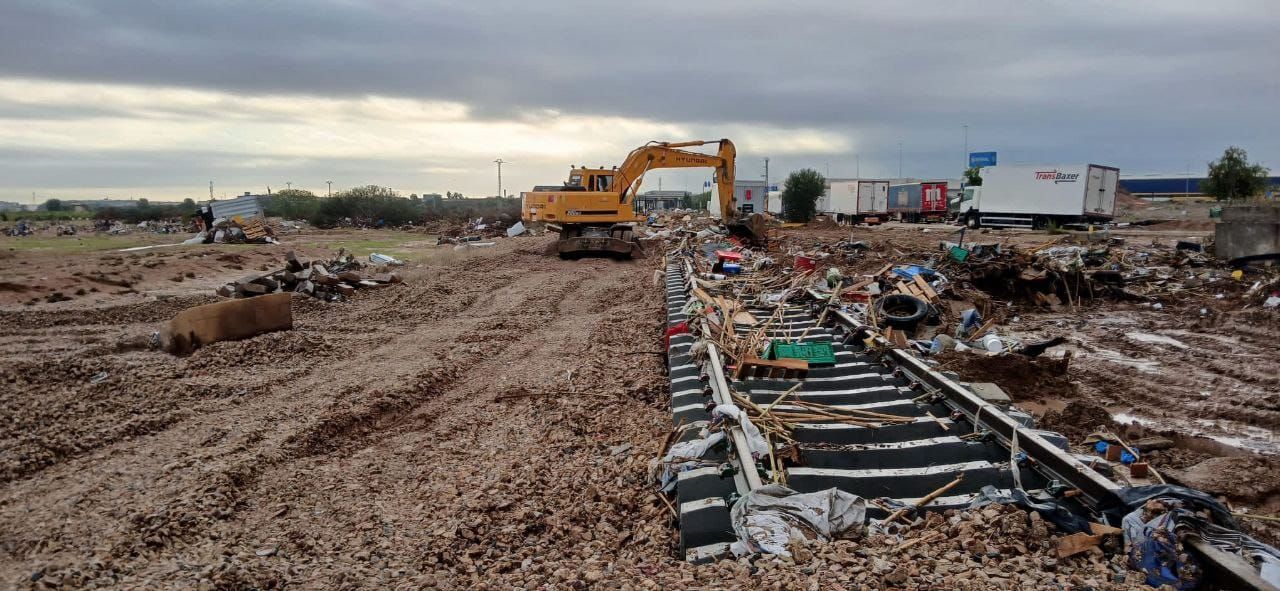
{"x":1248,"y":231}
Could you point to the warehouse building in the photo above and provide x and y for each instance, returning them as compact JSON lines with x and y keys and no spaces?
{"x":1164,"y":187}
{"x":661,"y":200}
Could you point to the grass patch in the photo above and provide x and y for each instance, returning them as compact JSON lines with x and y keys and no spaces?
{"x":86,"y":242}
{"x":404,"y":246}
{"x":13,"y":216}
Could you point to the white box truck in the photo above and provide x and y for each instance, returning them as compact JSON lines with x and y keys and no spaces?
{"x":856,"y":200}
{"x":1035,"y":196}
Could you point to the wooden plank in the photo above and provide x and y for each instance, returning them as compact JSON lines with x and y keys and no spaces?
{"x":703,"y":296}
{"x":926,"y":289}
{"x":758,"y":367}
{"x":1077,"y":543}
{"x":977,"y":334}
{"x":859,"y":286}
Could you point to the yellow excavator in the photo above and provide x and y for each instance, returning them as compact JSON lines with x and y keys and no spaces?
{"x":594,"y":210}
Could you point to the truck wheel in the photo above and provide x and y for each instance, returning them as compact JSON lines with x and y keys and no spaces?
{"x":901,"y":311}
{"x":972,"y":221}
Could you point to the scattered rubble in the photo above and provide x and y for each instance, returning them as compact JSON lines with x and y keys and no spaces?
{"x":253,"y":230}
{"x":332,"y":280}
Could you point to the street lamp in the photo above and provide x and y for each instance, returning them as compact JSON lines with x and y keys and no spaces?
{"x":330,"y":183}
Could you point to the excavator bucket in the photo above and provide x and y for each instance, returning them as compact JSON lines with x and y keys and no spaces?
{"x":753,"y":230}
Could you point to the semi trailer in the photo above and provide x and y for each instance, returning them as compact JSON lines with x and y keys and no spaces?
{"x":1036,"y":196}
{"x":918,"y":202}
{"x":856,"y":200}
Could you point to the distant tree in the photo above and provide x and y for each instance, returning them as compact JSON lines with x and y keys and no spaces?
{"x":294,"y":204}
{"x":800,"y":194}
{"x":189,"y":203}
{"x":53,"y":205}
{"x":1232,"y":176}
{"x":973,"y":176}
{"x":369,"y":204}
{"x":143,"y":203}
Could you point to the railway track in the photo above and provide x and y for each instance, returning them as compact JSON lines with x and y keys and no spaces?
{"x":953,"y":433}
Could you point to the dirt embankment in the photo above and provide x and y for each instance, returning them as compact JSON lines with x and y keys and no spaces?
{"x":451,"y":431}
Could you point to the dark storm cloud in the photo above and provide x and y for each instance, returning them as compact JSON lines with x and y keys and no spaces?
{"x":1137,"y":84}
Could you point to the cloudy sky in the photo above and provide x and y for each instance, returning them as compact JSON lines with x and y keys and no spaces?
{"x":155,"y":98}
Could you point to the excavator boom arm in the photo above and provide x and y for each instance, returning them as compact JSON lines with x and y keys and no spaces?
{"x":670,"y":155}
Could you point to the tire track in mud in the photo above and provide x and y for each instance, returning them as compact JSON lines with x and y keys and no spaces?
{"x":184,"y":492}
{"x":218,"y":495}
{"x":312,"y":343}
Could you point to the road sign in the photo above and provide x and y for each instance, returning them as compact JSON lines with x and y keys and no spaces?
{"x":980,"y":159}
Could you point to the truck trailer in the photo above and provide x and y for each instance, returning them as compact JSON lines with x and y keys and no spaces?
{"x":1035,"y":196}
{"x":918,"y":202}
{"x":856,"y":200}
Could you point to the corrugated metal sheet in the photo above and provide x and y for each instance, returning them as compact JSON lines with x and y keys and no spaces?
{"x":245,"y":206}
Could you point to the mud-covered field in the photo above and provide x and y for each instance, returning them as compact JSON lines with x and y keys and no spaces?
{"x":450,"y":430}
{"x":487,"y":423}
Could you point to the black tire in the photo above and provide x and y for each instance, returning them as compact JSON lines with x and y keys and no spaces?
{"x":901,"y":311}
{"x":972,"y":221}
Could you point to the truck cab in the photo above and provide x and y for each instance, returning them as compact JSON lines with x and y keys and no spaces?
{"x":965,"y":201}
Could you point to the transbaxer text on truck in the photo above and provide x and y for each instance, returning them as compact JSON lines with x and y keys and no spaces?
{"x":1057,"y":177}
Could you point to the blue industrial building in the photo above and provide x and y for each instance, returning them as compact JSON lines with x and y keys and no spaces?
{"x":1165,"y":187}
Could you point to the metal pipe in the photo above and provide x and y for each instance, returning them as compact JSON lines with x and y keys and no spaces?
{"x":750,"y":479}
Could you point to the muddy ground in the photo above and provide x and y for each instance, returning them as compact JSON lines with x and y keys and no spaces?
{"x":485,"y":424}
{"x":434,"y":434}
{"x":1200,"y":368}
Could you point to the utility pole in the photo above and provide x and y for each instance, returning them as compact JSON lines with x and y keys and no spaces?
{"x":210,"y":190}
{"x":288,"y":184}
{"x":899,"y":160}
{"x":330,"y":183}
{"x":499,"y":162}
{"x":765,"y":201}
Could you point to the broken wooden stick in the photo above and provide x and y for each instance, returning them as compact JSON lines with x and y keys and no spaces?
{"x":929,"y":498}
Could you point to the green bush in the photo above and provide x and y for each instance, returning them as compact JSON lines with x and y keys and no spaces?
{"x":292,"y":204}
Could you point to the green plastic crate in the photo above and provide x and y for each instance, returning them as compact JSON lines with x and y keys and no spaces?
{"x":816,"y":354}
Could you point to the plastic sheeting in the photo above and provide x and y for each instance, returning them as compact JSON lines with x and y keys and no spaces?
{"x":768,"y":518}
{"x":755,"y":441}
{"x":683,"y":456}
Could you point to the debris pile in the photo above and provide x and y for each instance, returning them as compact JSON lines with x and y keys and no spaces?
{"x":236,"y":230}
{"x":332,"y":280}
